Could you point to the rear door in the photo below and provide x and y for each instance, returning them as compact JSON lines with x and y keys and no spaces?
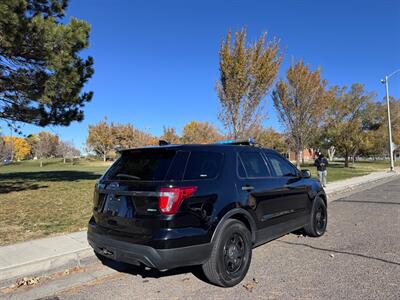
{"x":255,"y":185}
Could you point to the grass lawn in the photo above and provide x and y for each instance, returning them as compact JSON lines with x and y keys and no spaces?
{"x":37,"y":202}
{"x":337,"y":171}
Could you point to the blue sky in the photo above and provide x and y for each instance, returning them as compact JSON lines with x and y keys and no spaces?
{"x":156,"y":62}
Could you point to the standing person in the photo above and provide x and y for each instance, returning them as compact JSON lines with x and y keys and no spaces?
{"x":322,"y":163}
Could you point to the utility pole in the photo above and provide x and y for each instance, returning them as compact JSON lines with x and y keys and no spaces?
{"x":386,"y":82}
{"x":389,"y":125}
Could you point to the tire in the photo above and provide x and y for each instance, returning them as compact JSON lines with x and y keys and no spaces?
{"x":318,"y":219}
{"x":230,"y":256}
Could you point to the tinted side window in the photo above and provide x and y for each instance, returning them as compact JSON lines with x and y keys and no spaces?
{"x":254,"y":164}
{"x":203,"y":165}
{"x":241,"y":171}
{"x":281,"y":166}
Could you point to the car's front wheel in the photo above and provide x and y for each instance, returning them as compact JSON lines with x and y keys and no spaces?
{"x":318,"y":219}
{"x":231,"y":255}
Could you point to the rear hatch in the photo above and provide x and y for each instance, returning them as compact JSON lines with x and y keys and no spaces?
{"x":126,"y":199}
{"x":148,"y":191}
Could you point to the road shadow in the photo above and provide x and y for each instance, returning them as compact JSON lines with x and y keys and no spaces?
{"x":21,"y":181}
{"x":146,"y":272}
{"x":341,"y":252}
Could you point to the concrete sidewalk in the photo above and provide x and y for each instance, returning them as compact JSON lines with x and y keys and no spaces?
{"x":43,"y":255}
{"x":47,"y":255}
{"x":342,"y":186}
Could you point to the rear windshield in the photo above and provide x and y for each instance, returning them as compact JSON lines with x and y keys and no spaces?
{"x":142,"y":164}
{"x":203,"y":165}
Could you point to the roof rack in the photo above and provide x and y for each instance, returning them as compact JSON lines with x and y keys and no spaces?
{"x":244,"y":142}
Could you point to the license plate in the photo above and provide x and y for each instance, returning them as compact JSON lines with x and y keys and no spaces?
{"x":119,"y":206}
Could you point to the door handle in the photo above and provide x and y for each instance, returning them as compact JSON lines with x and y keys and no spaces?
{"x":247,"y":188}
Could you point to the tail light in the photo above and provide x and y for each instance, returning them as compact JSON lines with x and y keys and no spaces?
{"x":171,"y":198}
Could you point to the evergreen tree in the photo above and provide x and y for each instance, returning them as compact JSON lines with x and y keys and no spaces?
{"x":41,"y":73}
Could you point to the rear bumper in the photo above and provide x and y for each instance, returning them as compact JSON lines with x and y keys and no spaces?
{"x":161,"y":259}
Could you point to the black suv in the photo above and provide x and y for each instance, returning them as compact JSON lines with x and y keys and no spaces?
{"x":178,"y":205}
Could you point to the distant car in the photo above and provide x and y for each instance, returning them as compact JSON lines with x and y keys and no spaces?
{"x":179,"y":205}
{"x":7,"y":161}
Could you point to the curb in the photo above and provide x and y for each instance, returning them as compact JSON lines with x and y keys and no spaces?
{"x":46,"y":265}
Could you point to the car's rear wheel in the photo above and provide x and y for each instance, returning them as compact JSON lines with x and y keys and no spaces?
{"x":318,"y":219}
{"x":231,"y":255}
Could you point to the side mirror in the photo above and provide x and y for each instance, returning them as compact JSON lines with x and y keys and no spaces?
{"x":305,"y":173}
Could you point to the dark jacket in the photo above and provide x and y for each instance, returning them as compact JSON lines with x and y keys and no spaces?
{"x":321,"y":163}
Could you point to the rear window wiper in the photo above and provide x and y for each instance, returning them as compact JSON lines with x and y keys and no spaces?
{"x":128,"y":176}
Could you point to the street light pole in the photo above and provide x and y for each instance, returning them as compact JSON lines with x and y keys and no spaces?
{"x":386,"y":82}
{"x":389,"y":125}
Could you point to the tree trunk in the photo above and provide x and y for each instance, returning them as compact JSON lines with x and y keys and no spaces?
{"x":41,"y":163}
{"x":104,"y":157}
{"x":331,"y":153}
{"x":298,"y":151}
{"x":346,"y":159}
{"x":354,"y":157}
{"x":65,"y":161}
{"x":298,"y":158}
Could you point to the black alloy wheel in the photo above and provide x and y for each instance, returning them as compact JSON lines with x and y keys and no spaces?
{"x":231,"y":255}
{"x":318,"y":219}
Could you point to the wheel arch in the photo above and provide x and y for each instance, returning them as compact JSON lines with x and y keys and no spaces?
{"x":323,"y":197}
{"x":241,"y":215}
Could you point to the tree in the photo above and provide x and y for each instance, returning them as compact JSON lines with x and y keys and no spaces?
{"x":345,"y":124}
{"x":395,"y":121}
{"x":331,"y":152}
{"x":246,"y":75}
{"x":101,"y":138}
{"x":269,"y":138}
{"x":170,"y":135}
{"x":126,"y":136}
{"x":32,"y":140}
{"x":46,"y":145}
{"x":301,"y":102}
{"x":104,"y":138}
{"x":200,"y":133}
{"x":376,"y":128}
{"x":4,"y":150}
{"x":41,"y":73}
{"x":67,"y":150}
{"x":143,"y":138}
{"x":19,"y":147}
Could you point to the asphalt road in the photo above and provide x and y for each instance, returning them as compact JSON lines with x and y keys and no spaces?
{"x":358,"y":258}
